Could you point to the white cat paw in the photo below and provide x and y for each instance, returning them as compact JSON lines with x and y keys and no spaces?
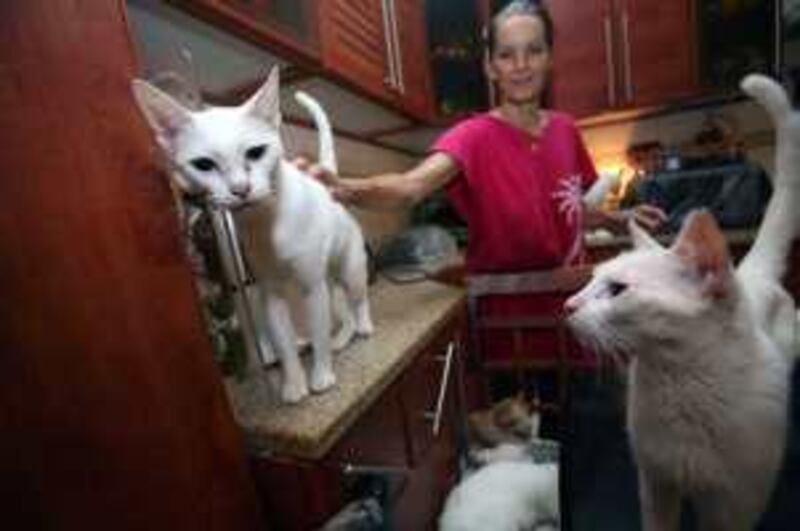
{"x":294,"y":392}
{"x":322,"y":380}
{"x":365,"y":329}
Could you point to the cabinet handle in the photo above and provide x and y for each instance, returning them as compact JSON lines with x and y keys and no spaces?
{"x":610,"y":64}
{"x":398,"y":57}
{"x":436,"y":416}
{"x":626,"y":43}
{"x":390,"y":79}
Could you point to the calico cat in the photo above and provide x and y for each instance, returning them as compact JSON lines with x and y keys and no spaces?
{"x":710,"y":350}
{"x":292,"y":230}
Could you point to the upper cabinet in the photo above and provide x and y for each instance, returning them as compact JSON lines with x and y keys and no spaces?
{"x":285,"y":27}
{"x":613,"y":54}
{"x":381,"y":46}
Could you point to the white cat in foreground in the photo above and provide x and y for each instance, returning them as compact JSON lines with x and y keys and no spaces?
{"x":292,"y":230}
{"x":711,"y":350}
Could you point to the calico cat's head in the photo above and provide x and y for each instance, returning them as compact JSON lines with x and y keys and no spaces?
{"x":655,"y":295}
{"x":227,"y":154}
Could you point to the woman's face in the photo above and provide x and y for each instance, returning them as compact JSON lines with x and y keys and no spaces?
{"x":521,"y":60}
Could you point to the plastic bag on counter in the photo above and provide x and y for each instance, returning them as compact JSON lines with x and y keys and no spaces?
{"x":416,"y":254}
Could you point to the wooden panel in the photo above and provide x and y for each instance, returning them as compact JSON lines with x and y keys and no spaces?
{"x":353,"y":42}
{"x":111,"y":410}
{"x":661,"y":50}
{"x":417,"y":96}
{"x":582,"y":57}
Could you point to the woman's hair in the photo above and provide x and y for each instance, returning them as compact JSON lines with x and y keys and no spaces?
{"x":534,"y":8}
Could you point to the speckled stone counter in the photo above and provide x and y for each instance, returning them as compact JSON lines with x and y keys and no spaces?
{"x":406,"y":317}
{"x":603,"y":239}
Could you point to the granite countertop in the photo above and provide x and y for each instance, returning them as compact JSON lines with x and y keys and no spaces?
{"x":603,"y":238}
{"x":406,"y":317}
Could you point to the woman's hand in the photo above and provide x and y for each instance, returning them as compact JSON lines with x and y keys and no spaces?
{"x":649,"y":217}
{"x":335,"y":184}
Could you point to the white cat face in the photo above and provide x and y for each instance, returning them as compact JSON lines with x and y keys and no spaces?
{"x":651,"y":294}
{"x":228,"y":154}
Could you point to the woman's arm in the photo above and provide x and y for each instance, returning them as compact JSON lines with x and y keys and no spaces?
{"x":649,"y":217}
{"x":389,"y":190}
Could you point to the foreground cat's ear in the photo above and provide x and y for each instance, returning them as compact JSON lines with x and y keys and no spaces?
{"x":641,"y":238}
{"x":166,"y":116}
{"x":265,"y":104}
{"x":702,"y":246}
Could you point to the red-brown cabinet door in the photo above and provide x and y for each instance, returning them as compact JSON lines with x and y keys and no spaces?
{"x":416,"y":90}
{"x":584,"y":67}
{"x":658,"y":50}
{"x":354,"y":42}
{"x":112,"y":410}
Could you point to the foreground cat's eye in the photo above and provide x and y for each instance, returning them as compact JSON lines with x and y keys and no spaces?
{"x":615,"y":288}
{"x":255,"y":153}
{"x":204,"y":164}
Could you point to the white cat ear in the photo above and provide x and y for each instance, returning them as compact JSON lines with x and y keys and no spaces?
{"x":265,"y":104}
{"x":702,"y":246}
{"x":641,"y":238}
{"x":165,"y":115}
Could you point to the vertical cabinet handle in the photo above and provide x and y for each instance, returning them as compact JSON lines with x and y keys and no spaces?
{"x":391,"y":76}
{"x":398,"y":57}
{"x":610,"y":63}
{"x":626,"y":48}
{"x":436,"y":415}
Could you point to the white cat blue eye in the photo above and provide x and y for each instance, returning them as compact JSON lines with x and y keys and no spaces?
{"x":255,"y":153}
{"x":203,"y":164}
{"x":615,"y":288}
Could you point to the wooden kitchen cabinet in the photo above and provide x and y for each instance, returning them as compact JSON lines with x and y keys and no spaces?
{"x":289,"y":28}
{"x":112,"y":410}
{"x":404,"y":442}
{"x":380,"y":46}
{"x":616,"y":54}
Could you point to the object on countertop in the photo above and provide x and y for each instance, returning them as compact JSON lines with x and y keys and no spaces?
{"x":416,"y":254}
{"x":736,"y":194}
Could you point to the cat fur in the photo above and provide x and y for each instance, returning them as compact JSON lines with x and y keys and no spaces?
{"x":292,"y":231}
{"x":710,"y":350}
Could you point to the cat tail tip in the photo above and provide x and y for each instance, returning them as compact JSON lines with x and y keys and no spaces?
{"x":327,"y":156}
{"x":769,"y":93}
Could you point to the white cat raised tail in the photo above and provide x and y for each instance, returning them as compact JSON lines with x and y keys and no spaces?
{"x":292,"y":230}
{"x":710,"y":348}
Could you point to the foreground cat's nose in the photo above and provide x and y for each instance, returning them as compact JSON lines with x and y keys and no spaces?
{"x":241,"y":190}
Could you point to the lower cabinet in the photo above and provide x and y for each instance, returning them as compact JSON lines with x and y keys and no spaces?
{"x":403,"y":451}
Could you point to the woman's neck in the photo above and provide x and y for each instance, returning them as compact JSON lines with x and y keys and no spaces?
{"x":527,"y":116}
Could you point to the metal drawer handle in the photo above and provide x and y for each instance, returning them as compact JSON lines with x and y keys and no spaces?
{"x":436,"y":416}
{"x":626,"y":39}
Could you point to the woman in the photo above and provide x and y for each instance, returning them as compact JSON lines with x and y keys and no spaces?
{"x":516,"y":175}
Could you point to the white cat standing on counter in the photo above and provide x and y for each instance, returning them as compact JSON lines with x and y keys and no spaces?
{"x":292,"y":230}
{"x":710,"y":350}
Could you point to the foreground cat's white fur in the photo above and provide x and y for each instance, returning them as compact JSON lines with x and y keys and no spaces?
{"x":711,"y":351}
{"x":292,"y":230}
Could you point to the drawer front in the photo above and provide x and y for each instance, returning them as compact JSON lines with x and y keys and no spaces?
{"x":429,"y":390}
{"x":378,"y":438}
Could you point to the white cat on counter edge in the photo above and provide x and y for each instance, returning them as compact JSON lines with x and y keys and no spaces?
{"x":292,"y":230}
{"x":711,"y":350}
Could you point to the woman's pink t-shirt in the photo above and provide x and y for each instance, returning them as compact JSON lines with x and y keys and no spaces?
{"x":520,"y":195}
{"x":521,"y":198}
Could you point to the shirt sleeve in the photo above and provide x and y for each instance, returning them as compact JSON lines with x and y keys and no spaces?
{"x":460,"y":143}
